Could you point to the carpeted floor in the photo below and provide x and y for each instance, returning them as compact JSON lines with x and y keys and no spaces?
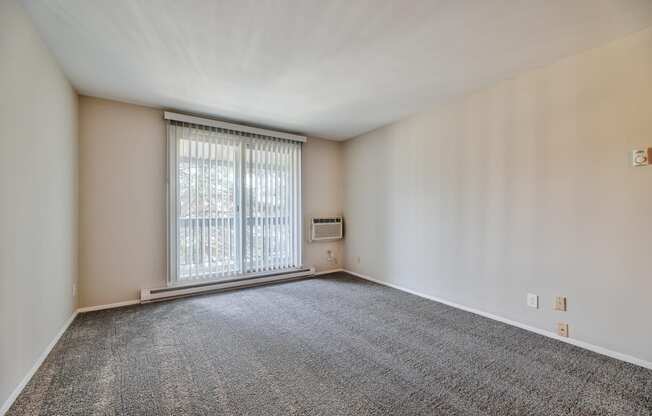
{"x":335,"y":345}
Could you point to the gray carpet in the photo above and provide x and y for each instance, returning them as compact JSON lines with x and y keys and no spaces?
{"x":335,"y":345}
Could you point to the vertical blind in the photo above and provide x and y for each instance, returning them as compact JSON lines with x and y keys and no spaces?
{"x":235,"y":203}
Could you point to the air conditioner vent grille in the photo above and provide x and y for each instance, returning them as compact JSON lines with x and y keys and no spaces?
{"x":326,"y":228}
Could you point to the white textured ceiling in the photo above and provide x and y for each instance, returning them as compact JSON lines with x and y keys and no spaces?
{"x":327,"y":68}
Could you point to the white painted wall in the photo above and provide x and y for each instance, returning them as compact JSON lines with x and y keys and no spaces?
{"x":522,"y":187}
{"x":38,"y":198}
{"x":122,"y":199}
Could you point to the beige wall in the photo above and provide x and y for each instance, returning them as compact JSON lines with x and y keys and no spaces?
{"x":122,"y":199}
{"x":322,"y":196}
{"x":38,"y":198}
{"x":522,"y":187}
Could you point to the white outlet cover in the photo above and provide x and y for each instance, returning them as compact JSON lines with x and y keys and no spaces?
{"x":533,"y":300}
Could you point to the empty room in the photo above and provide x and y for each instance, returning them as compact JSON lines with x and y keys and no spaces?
{"x":326,"y":207}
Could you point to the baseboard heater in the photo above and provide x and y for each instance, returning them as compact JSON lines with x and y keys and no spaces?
{"x":152,"y":295}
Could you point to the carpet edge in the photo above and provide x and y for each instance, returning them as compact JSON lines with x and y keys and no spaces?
{"x":573,"y":341}
{"x":39,"y":361}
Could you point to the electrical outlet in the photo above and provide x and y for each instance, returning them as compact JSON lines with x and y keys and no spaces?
{"x":642,"y":157}
{"x":358,"y":259}
{"x":533,"y":300}
{"x":560,"y":303}
{"x":330,"y":258}
{"x":74,"y":289}
{"x":562,"y":329}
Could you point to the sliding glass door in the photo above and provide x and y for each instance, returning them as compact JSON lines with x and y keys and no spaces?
{"x":208,"y":168}
{"x":271,"y":202}
{"x":234,"y":204}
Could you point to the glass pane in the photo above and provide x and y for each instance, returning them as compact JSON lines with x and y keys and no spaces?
{"x":206,"y":215}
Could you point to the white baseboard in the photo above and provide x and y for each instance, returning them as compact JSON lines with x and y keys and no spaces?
{"x":549,"y":334}
{"x":107,"y":306}
{"x":12,"y":397}
{"x":328,"y":271}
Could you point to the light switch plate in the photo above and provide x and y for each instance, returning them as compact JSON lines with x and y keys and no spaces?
{"x":533,"y":301}
{"x":560,"y":303}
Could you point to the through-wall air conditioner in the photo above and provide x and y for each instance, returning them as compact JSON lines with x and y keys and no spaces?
{"x":326,"y":228}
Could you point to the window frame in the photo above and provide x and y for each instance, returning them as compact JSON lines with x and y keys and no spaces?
{"x":172,"y":198}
